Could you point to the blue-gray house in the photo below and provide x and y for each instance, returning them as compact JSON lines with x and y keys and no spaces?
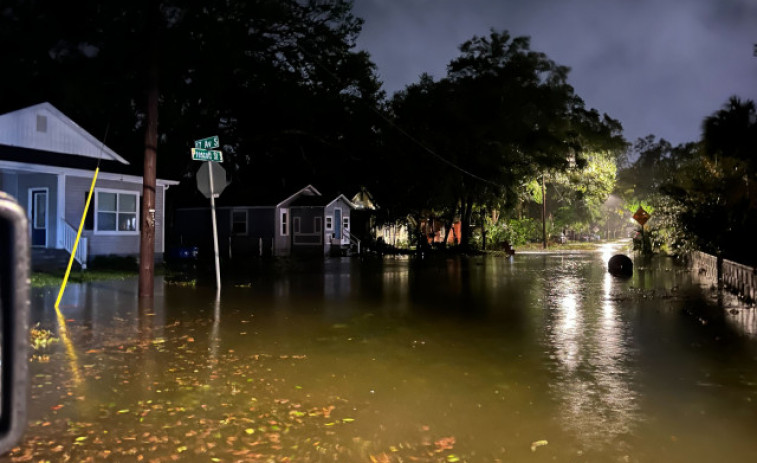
{"x":47,"y":162}
{"x":304,"y":222}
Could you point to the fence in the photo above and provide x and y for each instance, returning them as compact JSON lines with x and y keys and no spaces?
{"x":736,"y":277}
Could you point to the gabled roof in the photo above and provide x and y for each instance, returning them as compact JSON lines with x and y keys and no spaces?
{"x":349,"y":203}
{"x":43,"y":127}
{"x":309,"y":190}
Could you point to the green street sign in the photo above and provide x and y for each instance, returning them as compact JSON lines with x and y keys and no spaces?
{"x":207,"y":155}
{"x":208,"y":143}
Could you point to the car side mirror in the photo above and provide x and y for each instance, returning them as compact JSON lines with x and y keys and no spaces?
{"x":14,"y":321}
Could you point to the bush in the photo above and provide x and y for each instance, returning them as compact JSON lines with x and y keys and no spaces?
{"x":517,"y":232}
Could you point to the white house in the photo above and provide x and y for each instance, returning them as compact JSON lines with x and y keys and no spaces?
{"x":47,"y":163}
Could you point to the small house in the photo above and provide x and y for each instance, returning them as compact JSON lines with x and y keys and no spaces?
{"x":47,"y":163}
{"x":304,"y":222}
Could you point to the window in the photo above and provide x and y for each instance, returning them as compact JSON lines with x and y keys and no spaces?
{"x":329,"y":223}
{"x":239,"y":222}
{"x":346,"y":223}
{"x":116,"y":211}
{"x":89,"y":221}
{"x":284,"y":219}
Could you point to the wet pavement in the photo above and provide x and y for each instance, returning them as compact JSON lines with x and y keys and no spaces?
{"x":542,"y":357}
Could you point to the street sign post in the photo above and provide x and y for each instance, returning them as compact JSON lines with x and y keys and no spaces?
{"x":207,"y":155}
{"x":641,"y":216}
{"x":211,"y":174}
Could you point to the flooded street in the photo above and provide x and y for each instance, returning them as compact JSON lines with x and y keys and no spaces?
{"x":543,"y":357}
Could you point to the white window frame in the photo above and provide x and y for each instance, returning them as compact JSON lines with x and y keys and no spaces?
{"x":246,"y":222}
{"x":329,"y":222}
{"x":345,"y":222}
{"x":284,"y":222}
{"x":118,"y":193}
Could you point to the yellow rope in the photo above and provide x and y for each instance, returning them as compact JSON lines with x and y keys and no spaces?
{"x":76,"y":243}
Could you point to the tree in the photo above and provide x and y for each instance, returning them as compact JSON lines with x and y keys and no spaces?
{"x":732,"y":132}
{"x":578,"y":194}
{"x":504,"y":113}
{"x":279,"y":80}
{"x":704,"y":193}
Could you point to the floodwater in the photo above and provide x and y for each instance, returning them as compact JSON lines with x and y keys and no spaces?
{"x":543,"y":357}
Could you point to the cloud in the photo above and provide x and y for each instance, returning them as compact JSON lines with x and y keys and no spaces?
{"x":658,"y":66}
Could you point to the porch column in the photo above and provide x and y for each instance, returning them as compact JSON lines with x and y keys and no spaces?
{"x":60,"y":211}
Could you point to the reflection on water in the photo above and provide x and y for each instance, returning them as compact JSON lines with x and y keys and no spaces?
{"x":442,"y":359}
{"x":594,"y":371}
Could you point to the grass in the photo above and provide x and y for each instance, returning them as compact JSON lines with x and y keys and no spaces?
{"x":43,"y":279}
{"x":570,"y":246}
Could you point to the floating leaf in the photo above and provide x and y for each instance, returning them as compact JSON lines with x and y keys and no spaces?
{"x":249,"y":431}
{"x":125,"y":410}
{"x":452,"y":458}
{"x":348,"y":420}
{"x":539,"y":443}
{"x":81,"y":438}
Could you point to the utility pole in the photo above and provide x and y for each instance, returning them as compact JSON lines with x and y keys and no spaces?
{"x":147,"y":238}
{"x":543,"y":211}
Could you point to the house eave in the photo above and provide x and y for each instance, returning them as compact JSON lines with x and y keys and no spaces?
{"x":55,"y":170}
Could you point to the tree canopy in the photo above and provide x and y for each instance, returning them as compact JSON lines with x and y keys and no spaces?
{"x":503,"y":113}
{"x":279,"y":80}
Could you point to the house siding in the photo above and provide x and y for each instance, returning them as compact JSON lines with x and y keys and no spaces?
{"x":61,"y":135}
{"x":307,"y":239}
{"x":9,"y":184}
{"x":76,"y":190}
{"x":194,"y":228}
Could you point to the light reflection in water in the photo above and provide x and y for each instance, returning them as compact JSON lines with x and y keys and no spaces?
{"x":594,"y":376}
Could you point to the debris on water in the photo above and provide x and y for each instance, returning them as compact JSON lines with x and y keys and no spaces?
{"x":539,"y":443}
{"x":620,"y":266}
{"x":41,"y":338}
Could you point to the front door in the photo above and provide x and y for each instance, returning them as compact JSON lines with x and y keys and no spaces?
{"x":38,"y":217}
{"x":338,"y":223}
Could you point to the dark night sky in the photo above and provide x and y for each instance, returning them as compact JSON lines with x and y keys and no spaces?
{"x":659,"y":66}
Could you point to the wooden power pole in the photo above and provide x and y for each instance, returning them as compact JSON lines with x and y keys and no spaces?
{"x":147,"y":241}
